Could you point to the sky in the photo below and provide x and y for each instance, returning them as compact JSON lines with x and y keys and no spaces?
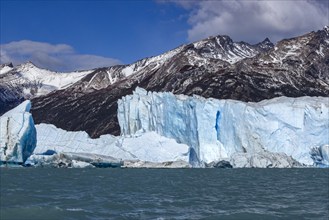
{"x":72,"y":35}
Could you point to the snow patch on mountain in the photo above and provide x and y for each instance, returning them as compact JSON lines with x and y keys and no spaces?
{"x":5,"y":69}
{"x":151,"y":62}
{"x":48,"y":80}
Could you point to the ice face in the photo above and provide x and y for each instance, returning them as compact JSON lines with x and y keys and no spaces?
{"x":17,"y":134}
{"x":217,"y":129}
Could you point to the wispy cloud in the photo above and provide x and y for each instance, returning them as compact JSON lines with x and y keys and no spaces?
{"x":60,"y":57}
{"x":253,"y":20}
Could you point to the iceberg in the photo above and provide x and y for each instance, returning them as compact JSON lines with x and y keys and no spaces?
{"x":72,"y":160}
{"x":282,"y":128}
{"x":263,"y":159}
{"x":17,"y":134}
{"x":56,"y":146}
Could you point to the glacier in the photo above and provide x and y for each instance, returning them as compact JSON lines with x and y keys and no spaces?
{"x":163,"y":130}
{"x":282,"y":128}
{"x":17,"y":134}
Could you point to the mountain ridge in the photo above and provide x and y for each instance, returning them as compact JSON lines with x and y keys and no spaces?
{"x":23,"y":81}
{"x":293,"y":67}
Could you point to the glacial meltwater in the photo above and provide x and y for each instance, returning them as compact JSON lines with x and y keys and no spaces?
{"x":40,"y":193}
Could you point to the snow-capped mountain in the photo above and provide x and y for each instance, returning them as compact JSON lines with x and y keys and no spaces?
{"x":103,"y":77}
{"x":27,"y":81}
{"x":219,"y":48}
{"x":215,"y":67}
{"x":223,"y":48}
{"x":37,"y":81}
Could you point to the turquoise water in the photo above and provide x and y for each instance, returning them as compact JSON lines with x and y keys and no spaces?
{"x":36,"y":193}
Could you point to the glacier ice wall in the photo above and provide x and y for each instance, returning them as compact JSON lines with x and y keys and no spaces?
{"x":17,"y":134}
{"x":146,"y":147}
{"x":217,"y":129}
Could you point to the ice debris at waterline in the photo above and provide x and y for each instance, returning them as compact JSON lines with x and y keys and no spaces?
{"x":73,"y":160}
{"x":279,"y":132}
{"x":17,"y":135}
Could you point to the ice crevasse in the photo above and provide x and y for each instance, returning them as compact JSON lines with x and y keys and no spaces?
{"x":224,"y":129}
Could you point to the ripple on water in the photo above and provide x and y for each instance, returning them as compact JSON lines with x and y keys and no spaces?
{"x":164,"y":194}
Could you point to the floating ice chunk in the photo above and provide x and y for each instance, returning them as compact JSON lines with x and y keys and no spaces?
{"x":148,"y":146}
{"x":263,"y":159}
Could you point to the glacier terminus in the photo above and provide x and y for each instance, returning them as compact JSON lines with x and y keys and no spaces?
{"x":278,"y":132}
{"x":160,"y":129}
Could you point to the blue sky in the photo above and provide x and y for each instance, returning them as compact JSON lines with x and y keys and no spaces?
{"x":126,"y":31}
{"x":100,"y":33}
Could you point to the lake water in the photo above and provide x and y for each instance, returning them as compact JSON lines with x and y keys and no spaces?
{"x":36,"y":193}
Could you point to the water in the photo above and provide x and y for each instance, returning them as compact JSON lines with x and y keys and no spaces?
{"x":32,"y":193}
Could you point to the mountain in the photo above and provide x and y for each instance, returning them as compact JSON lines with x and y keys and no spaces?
{"x":220,"y":48}
{"x":214,"y":67}
{"x":107,"y":85}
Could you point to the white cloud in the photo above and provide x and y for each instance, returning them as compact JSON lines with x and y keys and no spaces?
{"x":252,"y":20}
{"x":60,"y":57}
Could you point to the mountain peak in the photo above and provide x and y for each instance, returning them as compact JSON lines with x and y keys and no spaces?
{"x":265,"y":45}
{"x":27,"y":65}
{"x":266,"y":40}
{"x":222,"y":47}
{"x":7,"y":65}
{"x":223,"y":39}
{"x":326,"y":29}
